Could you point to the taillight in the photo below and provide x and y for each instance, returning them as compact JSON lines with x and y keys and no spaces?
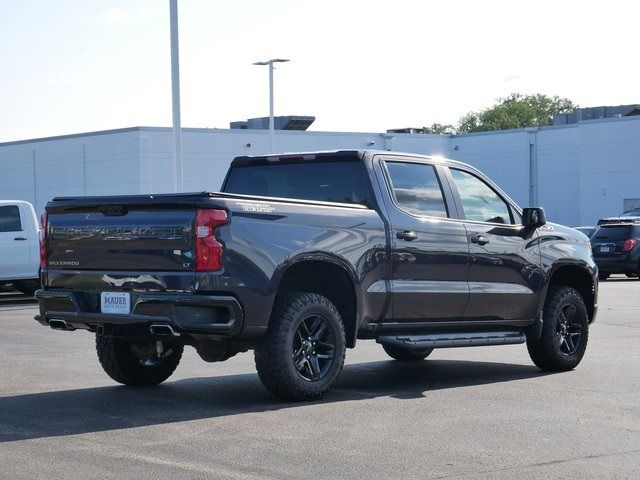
{"x":629,"y":245}
{"x":208,"y":249}
{"x":43,"y":240}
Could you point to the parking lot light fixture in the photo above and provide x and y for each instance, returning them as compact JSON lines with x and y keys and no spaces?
{"x":271,"y":120}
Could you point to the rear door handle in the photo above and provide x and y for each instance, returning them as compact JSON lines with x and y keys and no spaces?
{"x":479,"y":239}
{"x":20,"y":239}
{"x":407,"y":235}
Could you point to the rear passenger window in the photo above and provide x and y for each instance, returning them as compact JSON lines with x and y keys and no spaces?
{"x":10,"y":219}
{"x":416,"y":188}
{"x":479,"y":201}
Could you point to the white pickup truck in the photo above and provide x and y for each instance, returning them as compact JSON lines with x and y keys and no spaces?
{"x":19,"y":246}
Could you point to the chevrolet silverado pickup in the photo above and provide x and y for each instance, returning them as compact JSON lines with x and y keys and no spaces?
{"x":301,"y":255}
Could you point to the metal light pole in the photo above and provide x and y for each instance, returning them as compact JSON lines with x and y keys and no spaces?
{"x":272,"y":130}
{"x":175,"y":98}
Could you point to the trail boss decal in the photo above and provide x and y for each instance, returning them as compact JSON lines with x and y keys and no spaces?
{"x":256,"y":207}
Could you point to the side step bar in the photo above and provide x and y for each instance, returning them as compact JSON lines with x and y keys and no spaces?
{"x":457,"y":339}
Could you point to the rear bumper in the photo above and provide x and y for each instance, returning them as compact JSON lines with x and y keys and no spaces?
{"x":217,"y":315}
{"x":616,"y":265}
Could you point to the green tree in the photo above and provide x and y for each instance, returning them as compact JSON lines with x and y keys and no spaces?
{"x":440,"y":128}
{"x":516,"y":111}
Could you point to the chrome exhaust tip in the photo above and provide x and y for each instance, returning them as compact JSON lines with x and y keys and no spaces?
{"x":162,"y":329}
{"x":57,"y":324}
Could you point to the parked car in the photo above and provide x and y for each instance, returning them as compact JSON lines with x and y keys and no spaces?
{"x":19,"y":246}
{"x":588,"y":231}
{"x":302,"y":255}
{"x":624,"y":217}
{"x":616,"y":249}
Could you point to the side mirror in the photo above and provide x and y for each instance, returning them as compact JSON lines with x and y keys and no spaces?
{"x":533,"y":217}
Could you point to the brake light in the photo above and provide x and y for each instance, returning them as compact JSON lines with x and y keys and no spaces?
{"x":208,"y":249}
{"x":629,"y":245}
{"x":43,"y":240}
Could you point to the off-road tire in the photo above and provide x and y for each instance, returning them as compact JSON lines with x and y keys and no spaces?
{"x":274,"y":354}
{"x":121,"y":364}
{"x":406,"y":354}
{"x":546,"y":352}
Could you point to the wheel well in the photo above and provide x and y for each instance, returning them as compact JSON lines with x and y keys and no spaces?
{"x":579,"y":279}
{"x":329,"y":280}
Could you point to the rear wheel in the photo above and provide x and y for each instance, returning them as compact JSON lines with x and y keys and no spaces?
{"x":137,"y":363}
{"x":565,"y":331}
{"x":406,"y":354}
{"x":302,"y":354}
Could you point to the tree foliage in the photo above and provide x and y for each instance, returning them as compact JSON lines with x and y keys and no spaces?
{"x":515,"y":111}
{"x":440,"y":128}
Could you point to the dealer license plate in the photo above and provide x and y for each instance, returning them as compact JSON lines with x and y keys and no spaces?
{"x":115,"y":302}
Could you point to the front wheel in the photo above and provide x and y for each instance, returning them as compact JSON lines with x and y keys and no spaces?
{"x":565,"y":331}
{"x":137,"y":363}
{"x":302,"y":353}
{"x":406,"y":354}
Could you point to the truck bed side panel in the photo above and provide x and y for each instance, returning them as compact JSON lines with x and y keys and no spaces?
{"x":263,"y":239}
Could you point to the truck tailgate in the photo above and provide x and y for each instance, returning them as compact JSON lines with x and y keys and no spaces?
{"x":131,"y":238}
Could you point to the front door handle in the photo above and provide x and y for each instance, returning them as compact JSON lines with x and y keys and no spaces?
{"x":20,"y":239}
{"x":479,"y":239}
{"x":407,"y":235}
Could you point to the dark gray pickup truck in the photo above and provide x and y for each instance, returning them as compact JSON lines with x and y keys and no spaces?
{"x":300,"y":255}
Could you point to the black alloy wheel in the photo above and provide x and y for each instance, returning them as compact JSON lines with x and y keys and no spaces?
{"x":565,"y":331}
{"x":302,"y":354}
{"x":569,"y":329}
{"x":145,"y":353}
{"x":314,"y":347}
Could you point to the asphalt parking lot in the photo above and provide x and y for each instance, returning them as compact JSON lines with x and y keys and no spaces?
{"x":471,"y":413}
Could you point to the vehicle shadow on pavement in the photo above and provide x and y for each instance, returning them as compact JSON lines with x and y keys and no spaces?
{"x":71,"y":412}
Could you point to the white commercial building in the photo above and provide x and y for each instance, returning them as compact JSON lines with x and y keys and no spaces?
{"x":578,"y":172}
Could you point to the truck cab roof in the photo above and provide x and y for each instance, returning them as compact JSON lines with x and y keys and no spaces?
{"x":245,"y":160}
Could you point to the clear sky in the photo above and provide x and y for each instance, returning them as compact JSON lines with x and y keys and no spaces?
{"x":80,"y":65}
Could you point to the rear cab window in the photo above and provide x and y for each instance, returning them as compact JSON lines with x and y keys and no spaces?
{"x":10,"y":219}
{"x":340,"y":180}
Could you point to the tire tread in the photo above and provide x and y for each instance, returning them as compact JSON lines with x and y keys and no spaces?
{"x":272,"y":356}
{"x":122,"y":369}
{"x":543,"y":351}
